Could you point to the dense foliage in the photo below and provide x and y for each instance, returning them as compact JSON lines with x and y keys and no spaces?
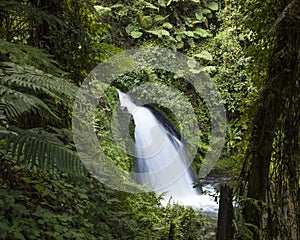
{"x":250,"y":49}
{"x":35,"y":205}
{"x":271,"y":168}
{"x":46,"y":193}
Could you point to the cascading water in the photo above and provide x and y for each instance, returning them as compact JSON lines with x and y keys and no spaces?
{"x":161,"y":160}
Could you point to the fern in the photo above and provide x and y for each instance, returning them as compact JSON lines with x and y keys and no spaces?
{"x":20,"y":86}
{"x":24,"y":88}
{"x":36,"y":147}
{"x":13,"y":104}
{"x":30,"y":78}
{"x":26,"y":55}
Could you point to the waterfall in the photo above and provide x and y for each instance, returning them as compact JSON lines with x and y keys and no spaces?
{"x":162,"y":164}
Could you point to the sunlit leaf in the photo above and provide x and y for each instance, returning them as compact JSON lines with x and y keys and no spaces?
{"x":213,"y":6}
{"x":202,"y":32}
{"x":136,"y":34}
{"x":167,"y":25}
{"x":205,"y":55}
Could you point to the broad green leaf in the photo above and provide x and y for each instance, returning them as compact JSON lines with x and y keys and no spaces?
{"x":159,"y":18}
{"x":189,"y":33}
{"x":136,"y":34}
{"x":20,"y":208}
{"x":180,"y":45}
{"x":201,"y":32}
{"x":164,"y":32}
{"x":167,"y":25}
{"x":200,"y":17}
{"x":118,"y":5}
{"x":197,"y":21}
{"x":178,"y":37}
{"x":205,"y":55}
{"x":98,"y":7}
{"x":159,"y":32}
{"x":162,"y":3}
{"x":191,"y":42}
{"x":154,"y":32}
{"x":39,"y":188}
{"x":213,"y":6}
{"x":130,"y":28}
{"x":172,"y":39}
{"x":27,"y":180}
{"x":205,"y":11}
{"x":210,"y":69}
{"x":146,"y":21}
{"x":151,"y":6}
{"x":169,"y":2}
{"x":101,"y":9}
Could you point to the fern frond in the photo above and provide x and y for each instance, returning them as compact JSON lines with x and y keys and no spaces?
{"x":31,"y":79}
{"x":14,"y":104}
{"x":36,"y":147}
{"x":20,"y":88}
{"x":26,"y":55}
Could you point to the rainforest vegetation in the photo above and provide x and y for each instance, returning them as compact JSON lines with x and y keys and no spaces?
{"x":249,"y":48}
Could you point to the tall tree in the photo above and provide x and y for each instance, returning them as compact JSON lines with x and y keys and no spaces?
{"x":273,"y":173}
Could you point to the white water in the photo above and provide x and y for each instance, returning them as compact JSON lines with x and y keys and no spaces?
{"x":161,"y":161}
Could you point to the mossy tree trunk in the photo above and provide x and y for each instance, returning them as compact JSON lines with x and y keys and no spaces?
{"x":282,"y":85}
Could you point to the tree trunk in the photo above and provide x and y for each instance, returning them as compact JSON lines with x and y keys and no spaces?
{"x":282,"y":73}
{"x":171,"y":232}
{"x":225,"y":215}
